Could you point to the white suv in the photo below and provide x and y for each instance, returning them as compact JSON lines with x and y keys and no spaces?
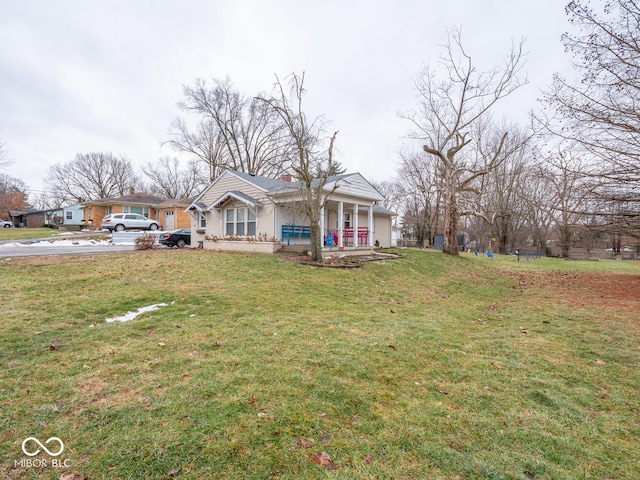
{"x":126,"y":221}
{"x":5,"y":224}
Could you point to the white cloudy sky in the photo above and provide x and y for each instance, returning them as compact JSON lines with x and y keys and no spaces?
{"x":88,"y":76}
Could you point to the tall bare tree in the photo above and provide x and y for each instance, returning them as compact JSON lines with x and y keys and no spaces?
{"x":90,"y":176}
{"x":168,"y":179}
{"x":561,"y":171}
{"x":231,"y":131}
{"x":312,"y":160}
{"x":535,"y":195}
{"x":421,"y":196}
{"x":502,"y":187}
{"x":600,"y":109}
{"x":452,"y":103}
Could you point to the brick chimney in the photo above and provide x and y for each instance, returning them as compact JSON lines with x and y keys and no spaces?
{"x":132,"y":190}
{"x":286,"y":177}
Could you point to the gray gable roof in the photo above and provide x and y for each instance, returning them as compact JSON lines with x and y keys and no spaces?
{"x":271,"y":186}
{"x":383,"y":211}
{"x":265,"y":183}
{"x":274,"y":185}
{"x":243,"y":197}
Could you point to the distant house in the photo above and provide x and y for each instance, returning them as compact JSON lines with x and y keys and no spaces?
{"x":32,"y":218}
{"x":240,"y":211}
{"x":72,"y":215}
{"x":168,"y":213}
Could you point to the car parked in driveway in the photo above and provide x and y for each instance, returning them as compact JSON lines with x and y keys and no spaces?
{"x":5,"y":224}
{"x":128,"y":221}
{"x":176,"y":238}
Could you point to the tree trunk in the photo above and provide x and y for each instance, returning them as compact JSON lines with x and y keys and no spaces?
{"x":502,"y":243}
{"x":451,"y":225}
{"x":565,"y":240}
{"x":316,"y":242}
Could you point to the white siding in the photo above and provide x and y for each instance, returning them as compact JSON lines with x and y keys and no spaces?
{"x":382,"y":230}
{"x":355,"y":186}
{"x":227,"y":183}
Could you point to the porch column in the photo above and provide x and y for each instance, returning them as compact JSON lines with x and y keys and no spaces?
{"x":354,"y":225}
{"x":340,"y":223}
{"x":370,"y":232}
{"x":322,"y":227}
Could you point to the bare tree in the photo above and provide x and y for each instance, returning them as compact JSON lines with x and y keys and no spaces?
{"x":4,"y":156}
{"x":391,"y":190}
{"x":312,"y":162}
{"x":600,"y":110}
{"x":449,"y":112}
{"x":420,"y":196}
{"x":93,"y":176}
{"x":535,"y":195}
{"x":561,"y":171}
{"x":233,"y":131}
{"x":502,"y":188}
{"x":169,"y":180}
{"x":45,"y":201}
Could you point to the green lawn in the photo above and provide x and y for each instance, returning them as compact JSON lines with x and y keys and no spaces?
{"x":423,"y":367}
{"x":20,"y":233}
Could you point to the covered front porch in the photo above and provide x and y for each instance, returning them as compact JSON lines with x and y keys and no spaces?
{"x":345,"y":224}
{"x":342,"y":225}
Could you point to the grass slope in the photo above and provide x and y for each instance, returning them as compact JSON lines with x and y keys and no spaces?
{"x":424,"y":367}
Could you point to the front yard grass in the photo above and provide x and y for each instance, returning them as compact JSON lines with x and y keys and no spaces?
{"x":428,"y":366}
{"x":25,"y":233}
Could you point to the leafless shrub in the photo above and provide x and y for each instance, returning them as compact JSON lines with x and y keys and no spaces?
{"x":145,"y":242}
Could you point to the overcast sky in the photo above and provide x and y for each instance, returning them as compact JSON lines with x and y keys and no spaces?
{"x":80,"y":76}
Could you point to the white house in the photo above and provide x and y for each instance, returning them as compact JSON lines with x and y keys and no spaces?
{"x":72,"y":215}
{"x":240,"y":211}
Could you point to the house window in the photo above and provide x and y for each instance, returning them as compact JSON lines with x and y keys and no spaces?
{"x":139,"y":210}
{"x":203,"y":221}
{"x":240,"y":222}
{"x":230,"y":226}
{"x":251,"y":222}
{"x":68,"y":215}
{"x":347,"y":221}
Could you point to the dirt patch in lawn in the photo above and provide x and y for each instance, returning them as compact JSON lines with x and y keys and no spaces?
{"x":618,"y":292}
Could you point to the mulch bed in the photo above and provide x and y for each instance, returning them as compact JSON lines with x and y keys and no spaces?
{"x":343,"y":261}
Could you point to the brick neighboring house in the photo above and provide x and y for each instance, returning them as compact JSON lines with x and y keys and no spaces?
{"x":169,"y":214}
{"x":172,"y":214}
